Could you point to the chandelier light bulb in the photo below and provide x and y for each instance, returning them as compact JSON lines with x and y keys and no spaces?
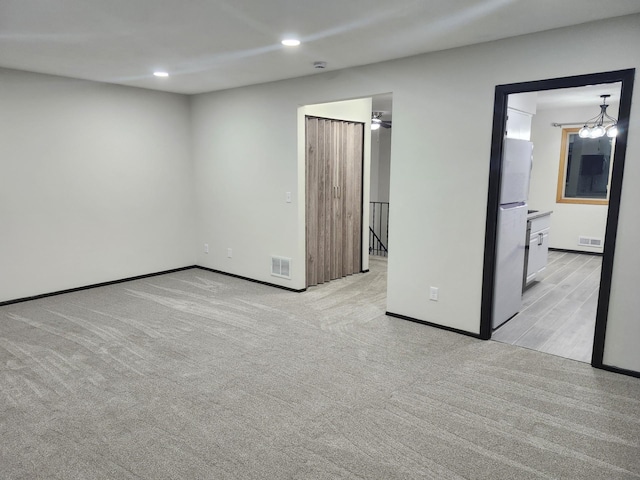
{"x":595,"y":127}
{"x":585,"y":132}
{"x":375,"y":120}
{"x":597,"y":131}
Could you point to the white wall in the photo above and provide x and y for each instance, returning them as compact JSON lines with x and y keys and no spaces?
{"x":375,"y":166}
{"x":380,"y":164}
{"x":245,"y":150}
{"x":248,"y":152}
{"x":357,"y":110}
{"x":568,"y":220}
{"x":94,"y":183}
{"x":380,"y":170}
{"x":95,"y":178}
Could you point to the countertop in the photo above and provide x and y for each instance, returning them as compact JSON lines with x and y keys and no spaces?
{"x":538,"y":213}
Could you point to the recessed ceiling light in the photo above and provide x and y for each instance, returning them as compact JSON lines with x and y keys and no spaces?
{"x":290,"y":42}
{"x":161,"y":74}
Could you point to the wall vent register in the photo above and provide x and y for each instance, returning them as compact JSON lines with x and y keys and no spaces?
{"x":589,"y":242}
{"x":281,"y":267}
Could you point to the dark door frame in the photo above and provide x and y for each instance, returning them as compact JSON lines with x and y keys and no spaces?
{"x":626,"y":77}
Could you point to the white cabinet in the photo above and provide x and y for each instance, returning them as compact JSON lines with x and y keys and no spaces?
{"x":518,"y":125}
{"x":538,"y":247}
{"x":521,"y":107}
{"x":526,"y":102}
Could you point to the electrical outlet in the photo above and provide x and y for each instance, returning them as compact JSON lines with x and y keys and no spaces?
{"x":433,"y":294}
{"x":229,"y":253}
{"x":288,"y":197}
{"x":206,"y":248}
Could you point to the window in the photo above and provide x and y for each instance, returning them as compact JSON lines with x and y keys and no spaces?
{"x":585,"y":168}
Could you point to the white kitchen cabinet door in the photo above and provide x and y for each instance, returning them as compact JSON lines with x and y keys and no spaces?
{"x":538,"y":254}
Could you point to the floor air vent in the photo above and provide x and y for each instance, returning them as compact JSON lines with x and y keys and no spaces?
{"x":281,"y":267}
{"x":589,"y":242}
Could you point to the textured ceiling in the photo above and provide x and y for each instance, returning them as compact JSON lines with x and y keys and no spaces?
{"x":210,"y":45}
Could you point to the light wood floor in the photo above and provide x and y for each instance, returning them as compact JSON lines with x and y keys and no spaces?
{"x":558,"y":313}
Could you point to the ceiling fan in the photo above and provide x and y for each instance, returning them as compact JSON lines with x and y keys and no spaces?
{"x":376,"y":122}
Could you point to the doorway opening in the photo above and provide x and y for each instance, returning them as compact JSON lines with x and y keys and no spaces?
{"x":333,"y":157}
{"x":567,"y":212}
{"x":621,"y":80}
{"x":376,"y":152}
{"x":334,"y":164}
{"x":379,"y":204}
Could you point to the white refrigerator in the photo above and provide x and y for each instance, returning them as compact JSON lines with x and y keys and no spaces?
{"x":512,"y":229}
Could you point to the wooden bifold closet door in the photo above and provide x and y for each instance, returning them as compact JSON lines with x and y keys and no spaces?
{"x":333,"y":198}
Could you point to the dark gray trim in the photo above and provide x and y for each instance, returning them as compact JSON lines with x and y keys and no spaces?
{"x":580,"y":252}
{"x":491,"y":229}
{"x":623,"y":371}
{"x":362,"y":182}
{"x":441,"y":327}
{"x":94,"y":285}
{"x":251,"y":279}
{"x":147,"y":275}
{"x":626,"y":77}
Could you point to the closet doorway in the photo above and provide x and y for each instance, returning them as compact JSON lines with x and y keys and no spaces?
{"x":334,"y":165}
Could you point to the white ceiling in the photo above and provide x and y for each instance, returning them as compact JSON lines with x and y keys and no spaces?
{"x":588,"y":96}
{"x":383,"y":103}
{"x":210,"y":45}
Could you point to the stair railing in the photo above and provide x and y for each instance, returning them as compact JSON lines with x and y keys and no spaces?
{"x":379,"y":228}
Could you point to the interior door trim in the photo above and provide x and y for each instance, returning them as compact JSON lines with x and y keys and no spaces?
{"x":626,"y":77}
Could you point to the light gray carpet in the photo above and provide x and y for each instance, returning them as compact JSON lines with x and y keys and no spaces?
{"x":194,"y":375}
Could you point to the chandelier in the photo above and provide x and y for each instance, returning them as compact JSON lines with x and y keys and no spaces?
{"x":595,"y":127}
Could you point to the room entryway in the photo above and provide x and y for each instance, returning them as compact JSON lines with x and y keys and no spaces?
{"x":379,"y":206}
{"x":564,"y":306}
{"x":334,"y":158}
{"x":567,"y":201}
